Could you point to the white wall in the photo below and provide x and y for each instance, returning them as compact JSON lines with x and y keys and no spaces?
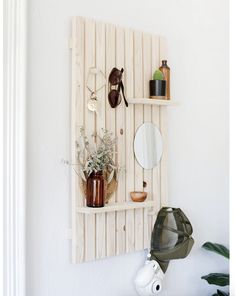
{"x":197,"y":33}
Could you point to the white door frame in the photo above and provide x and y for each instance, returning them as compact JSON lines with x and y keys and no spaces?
{"x":14,"y":107}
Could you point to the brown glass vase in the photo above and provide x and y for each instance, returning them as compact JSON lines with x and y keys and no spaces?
{"x":96,"y":190}
{"x":165,"y":69}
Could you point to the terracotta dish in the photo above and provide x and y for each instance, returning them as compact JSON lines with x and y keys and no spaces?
{"x":138,"y":196}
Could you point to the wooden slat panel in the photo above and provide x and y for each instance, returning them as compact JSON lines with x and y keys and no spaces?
{"x":163,"y":126}
{"x":90,"y":238}
{"x":130,"y":131}
{"x":156,"y":120}
{"x":138,"y":92}
{"x":96,"y":235}
{"x":110,"y":125}
{"x":77,"y":93}
{"x":120,"y":156}
{"x":100,"y":123}
{"x":147,"y":72}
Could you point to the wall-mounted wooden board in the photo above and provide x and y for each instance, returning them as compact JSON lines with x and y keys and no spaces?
{"x":102,"y":234}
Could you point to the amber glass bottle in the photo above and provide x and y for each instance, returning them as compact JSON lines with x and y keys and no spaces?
{"x":96,"y":190}
{"x":166,"y":72}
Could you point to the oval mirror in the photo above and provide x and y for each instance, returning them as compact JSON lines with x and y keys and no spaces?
{"x":148,"y":145}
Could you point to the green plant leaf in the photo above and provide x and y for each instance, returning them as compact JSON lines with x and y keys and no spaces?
{"x":222,"y":293}
{"x":217,"y":248}
{"x":219,"y":279}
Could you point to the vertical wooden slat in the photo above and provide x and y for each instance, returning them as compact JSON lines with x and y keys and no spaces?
{"x":147,"y":72}
{"x":156,"y":120}
{"x":138,"y":93}
{"x":164,"y":189}
{"x":76,"y":121}
{"x":100,"y":123}
{"x":130,"y":131}
{"x":110,"y":125}
{"x":146,"y":233}
{"x":120,"y":156}
{"x":163,"y":126}
{"x":90,"y":238}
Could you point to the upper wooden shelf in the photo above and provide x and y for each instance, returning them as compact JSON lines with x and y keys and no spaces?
{"x":148,"y":101}
{"x":112,"y":207}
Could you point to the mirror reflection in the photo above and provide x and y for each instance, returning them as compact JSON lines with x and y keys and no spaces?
{"x":148,"y":145}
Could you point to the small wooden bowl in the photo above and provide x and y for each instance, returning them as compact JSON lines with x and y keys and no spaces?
{"x":138,"y":196}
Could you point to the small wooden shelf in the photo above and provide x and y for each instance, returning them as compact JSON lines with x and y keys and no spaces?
{"x":112,"y":207}
{"x":148,"y":101}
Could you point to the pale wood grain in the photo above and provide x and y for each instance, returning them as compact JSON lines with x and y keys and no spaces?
{"x":138,"y":93}
{"x":90,"y":225}
{"x":156,"y":120}
{"x":147,"y":101}
{"x":110,"y":125}
{"x":100,"y":124}
{"x":117,"y":206}
{"x":147,"y":75}
{"x":130,"y":131}
{"x":121,"y":226}
{"x":76,"y":121}
{"x":121,"y":152}
{"x":163,"y":127}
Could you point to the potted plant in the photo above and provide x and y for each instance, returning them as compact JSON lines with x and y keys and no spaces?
{"x":96,"y":165}
{"x":157,"y":86}
{"x":218,"y":279}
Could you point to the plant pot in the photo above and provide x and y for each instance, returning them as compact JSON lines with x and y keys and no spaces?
{"x":96,"y":190}
{"x":157,"y":89}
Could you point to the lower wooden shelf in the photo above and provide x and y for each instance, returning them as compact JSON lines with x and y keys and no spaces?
{"x":112,"y":207}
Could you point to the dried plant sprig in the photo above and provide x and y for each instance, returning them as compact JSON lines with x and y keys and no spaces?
{"x":96,"y":155}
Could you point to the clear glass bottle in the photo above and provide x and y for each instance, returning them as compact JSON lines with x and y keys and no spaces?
{"x":165,"y":69}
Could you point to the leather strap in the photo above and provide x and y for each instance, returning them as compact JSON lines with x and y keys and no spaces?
{"x":122,"y":88}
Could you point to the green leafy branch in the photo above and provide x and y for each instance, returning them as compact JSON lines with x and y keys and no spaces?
{"x":219,"y":279}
